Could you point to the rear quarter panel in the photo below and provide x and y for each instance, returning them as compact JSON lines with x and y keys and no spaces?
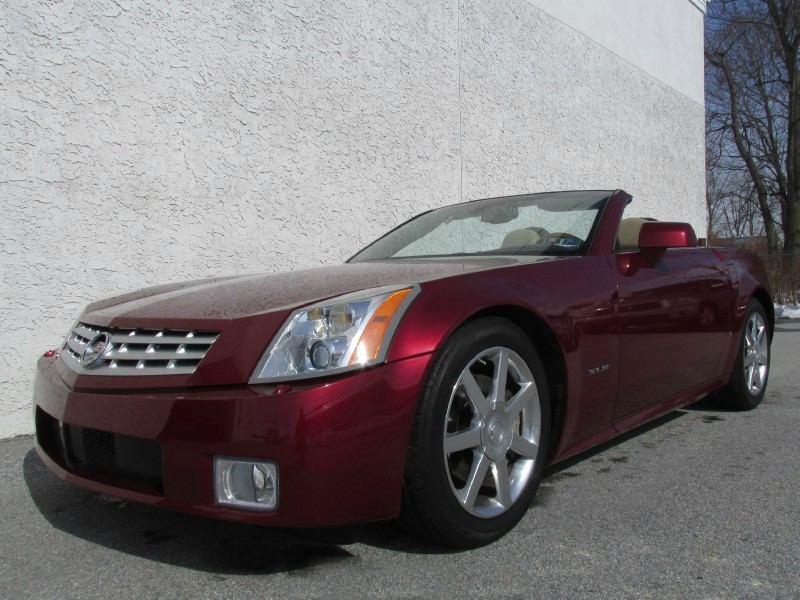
{"x":748,"y":278}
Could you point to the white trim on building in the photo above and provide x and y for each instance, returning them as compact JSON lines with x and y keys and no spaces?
{"x":701,"y":4}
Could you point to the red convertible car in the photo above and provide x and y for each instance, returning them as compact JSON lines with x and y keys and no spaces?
{"x":433,"y":376}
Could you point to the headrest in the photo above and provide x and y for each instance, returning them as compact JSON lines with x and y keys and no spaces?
{"x":628,"y":235}
{"x":521,"y":237}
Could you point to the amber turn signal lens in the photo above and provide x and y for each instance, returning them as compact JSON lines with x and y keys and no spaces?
{"x":369,"y":344}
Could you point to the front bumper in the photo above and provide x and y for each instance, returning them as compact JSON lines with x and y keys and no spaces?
{"x":340,"y":444}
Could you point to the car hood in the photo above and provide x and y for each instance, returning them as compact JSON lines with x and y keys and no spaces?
{"x":248,"y":295}
{"x":247,"y":311}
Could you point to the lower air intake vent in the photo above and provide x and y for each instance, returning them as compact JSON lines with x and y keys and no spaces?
{"x":131,"y":458}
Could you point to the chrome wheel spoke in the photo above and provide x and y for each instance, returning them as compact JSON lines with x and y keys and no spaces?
{"x":749,"y":339}
{"x":500,"y":377}
{"x":502,"y":483}
{"x":762,"y":350}
{"x":522,"y":398}
{"x":756,"y":379}
{"x":462,"y":440}
{"x":469,"y":493}
{"x":524,"y":447}
{"x":750,"y":359}
{"x":474,"y":393}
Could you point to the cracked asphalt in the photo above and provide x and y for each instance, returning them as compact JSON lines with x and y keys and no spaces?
{"x":702,"y":503}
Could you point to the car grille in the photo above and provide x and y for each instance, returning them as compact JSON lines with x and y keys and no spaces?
{"x":91,"y":447}
{"x":139,"y":351}
{"x":111,"y":458}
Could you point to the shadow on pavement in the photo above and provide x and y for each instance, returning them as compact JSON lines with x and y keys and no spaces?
{"x":787,"y":325}
{"x":554,"y":471}
{"x":170,"y":537}
{"x":716,"y":401}
{"x":196,"y":542}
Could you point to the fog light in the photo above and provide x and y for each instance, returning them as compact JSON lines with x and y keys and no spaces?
{"x":246,"y":483}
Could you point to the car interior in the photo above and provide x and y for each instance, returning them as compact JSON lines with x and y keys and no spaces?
{"x":627,"y":236}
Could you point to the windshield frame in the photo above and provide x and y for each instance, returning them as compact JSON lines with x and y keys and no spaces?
{"x":585,"y":248}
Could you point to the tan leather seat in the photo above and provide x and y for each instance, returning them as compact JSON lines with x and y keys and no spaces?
{"x":628,"y":235}
{"x":521,"y":237}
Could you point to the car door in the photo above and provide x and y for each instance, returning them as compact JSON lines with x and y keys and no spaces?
{"x":674,"y":318}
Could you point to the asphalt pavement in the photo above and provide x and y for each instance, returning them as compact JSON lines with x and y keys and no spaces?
{"x":703,"y":503}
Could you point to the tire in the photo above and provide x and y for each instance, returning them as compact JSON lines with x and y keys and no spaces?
{"x":476,"y":457}
{"x":748,"y":381}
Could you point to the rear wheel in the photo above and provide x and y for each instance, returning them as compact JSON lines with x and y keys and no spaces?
{"x":748,"y":381}
{"x":480,"y":438}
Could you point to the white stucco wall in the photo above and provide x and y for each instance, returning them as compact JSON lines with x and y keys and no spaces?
{"x":146,"y":142}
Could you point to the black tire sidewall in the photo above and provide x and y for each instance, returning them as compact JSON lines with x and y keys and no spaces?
{"x":450,"y":519}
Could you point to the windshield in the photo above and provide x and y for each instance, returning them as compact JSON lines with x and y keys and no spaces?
{"x":558,"y":223}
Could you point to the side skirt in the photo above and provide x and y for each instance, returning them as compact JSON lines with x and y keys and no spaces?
{"x":640,"y":417}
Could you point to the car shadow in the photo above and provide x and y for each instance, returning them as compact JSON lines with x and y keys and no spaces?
{"x":170,"y":537}
{"x":225,"y":548}
{"x":201,"y":543}
{"x":716,"y":401}
{"x":555,"y":471}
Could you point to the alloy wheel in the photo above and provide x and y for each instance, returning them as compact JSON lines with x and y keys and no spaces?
{"x":756,"y":354}
{"x":492,"y":432}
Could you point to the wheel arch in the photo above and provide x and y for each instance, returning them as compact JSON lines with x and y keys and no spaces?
{"x":763,"y":297}
{"x":541,"y":335}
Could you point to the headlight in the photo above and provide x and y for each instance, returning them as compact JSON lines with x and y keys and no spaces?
{"x":345,"y":333}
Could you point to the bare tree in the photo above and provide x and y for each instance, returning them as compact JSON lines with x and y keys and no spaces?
{"x":730,"y":195}
{"x":753,"y":108}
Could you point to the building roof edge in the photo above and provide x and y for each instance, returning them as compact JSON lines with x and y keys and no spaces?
{"x":700,"y":4}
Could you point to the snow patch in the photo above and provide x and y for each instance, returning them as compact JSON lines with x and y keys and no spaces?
{"x":787,"y":311}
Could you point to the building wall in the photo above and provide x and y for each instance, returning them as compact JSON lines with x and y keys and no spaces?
{"x":146,"y":142}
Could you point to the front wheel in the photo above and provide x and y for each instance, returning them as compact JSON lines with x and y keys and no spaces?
{"x":748,"y":381}
{"x":480,"y":438}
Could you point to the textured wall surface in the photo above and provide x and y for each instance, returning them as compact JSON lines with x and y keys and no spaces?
{"x":146,"y":142}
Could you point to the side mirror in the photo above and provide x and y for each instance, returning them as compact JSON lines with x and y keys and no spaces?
{"x":655,"y":235}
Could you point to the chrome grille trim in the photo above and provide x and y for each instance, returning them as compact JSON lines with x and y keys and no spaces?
{"x":139,"y":351}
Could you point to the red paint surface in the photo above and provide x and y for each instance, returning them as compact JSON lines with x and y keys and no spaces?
{"x":340,"y":445}
{"x":667,"y":235}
